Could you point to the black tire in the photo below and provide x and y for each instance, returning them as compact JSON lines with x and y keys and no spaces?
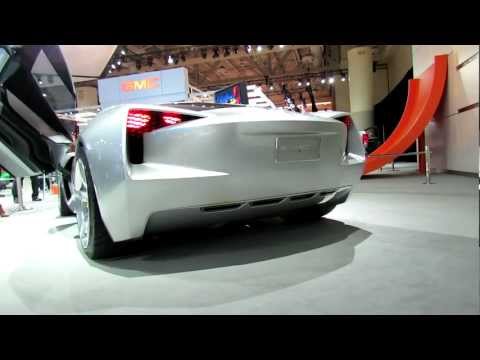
{"x":310,"y":213}
{"x":100,"y":244}
{"x":63,"y":196}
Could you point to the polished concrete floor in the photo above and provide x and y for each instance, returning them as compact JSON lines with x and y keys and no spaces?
{"x":396,"y":247}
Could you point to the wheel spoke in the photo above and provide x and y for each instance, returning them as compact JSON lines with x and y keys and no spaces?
{"x":83,"y":216}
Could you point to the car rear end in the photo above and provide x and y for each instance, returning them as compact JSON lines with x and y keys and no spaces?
{"x":197,"y":167}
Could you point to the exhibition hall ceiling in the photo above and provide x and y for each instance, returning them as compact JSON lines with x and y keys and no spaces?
{"x":87,"y":62}
{"x":211,"y":67}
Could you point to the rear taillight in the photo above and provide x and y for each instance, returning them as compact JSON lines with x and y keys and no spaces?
{"x":347,"y":120}
{"x":365,"y":139}
{"x":142,"y":121}
{"x":170,"y":119}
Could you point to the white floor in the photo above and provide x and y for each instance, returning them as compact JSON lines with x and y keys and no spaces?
{"x":396,"y":247}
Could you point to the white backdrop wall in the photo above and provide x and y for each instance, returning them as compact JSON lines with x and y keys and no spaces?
{"x":399,"y":60}
{"x":453,"y":134}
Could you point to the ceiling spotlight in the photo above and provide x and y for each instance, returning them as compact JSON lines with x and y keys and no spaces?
{"x":323,"y":81}
{"x":271,"y":87}
{"x":119,"y":62}
{"x":248,"y":48}
{"x":109,"y":71}
{"x":113,"y":66}
{"x":343,"y":77}
{"x":40,"y":82}
{"x":98,"y":109}
{"x":308,"y":83}
{"x":123,"y":52}
{"x":44,"y":95}
{"x":259,"y":48}
{"x":331,"y":80}
{"x":170,"y":59}
{"x":299,"y":83}
{"x":281,"y":46}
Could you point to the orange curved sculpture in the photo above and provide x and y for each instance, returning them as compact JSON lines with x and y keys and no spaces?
{"x":424,"y":95}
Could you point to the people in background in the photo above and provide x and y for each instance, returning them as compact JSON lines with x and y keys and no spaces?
{"x":3,"y":213}
{"x":35,"y":189}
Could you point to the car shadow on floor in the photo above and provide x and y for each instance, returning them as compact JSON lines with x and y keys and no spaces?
{"x":236,"y":244}
{"x":193,"y":270}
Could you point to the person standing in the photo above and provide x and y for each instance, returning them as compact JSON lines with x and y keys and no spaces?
{"x":3,"y":213}
{"x":35,"y":187}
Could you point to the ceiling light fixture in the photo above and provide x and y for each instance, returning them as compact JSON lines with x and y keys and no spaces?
{"x":113,"y":66}
{"x":331,"y":80}
{"x":123,"y":52}
{"x":259,"y":48}
{"x":170,"y":59}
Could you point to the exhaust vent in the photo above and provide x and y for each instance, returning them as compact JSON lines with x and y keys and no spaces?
{"x":221,"y":207}
{"x":302,"y":197}
{"x":266,"y":202}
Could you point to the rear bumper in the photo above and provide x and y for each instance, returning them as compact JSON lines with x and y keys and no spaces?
{"x":142,"y":205}
{"x":243,"y":210}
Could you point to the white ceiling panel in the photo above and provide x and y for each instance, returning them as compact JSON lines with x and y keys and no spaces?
{"x":87,"y":60}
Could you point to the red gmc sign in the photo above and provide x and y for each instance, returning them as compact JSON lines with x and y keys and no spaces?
{"x":136,"y":85}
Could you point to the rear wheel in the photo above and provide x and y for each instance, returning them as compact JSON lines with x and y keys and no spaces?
{"x":63,"y":196}
{"x":93,"y":235}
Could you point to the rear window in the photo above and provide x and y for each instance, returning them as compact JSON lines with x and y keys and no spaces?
{"x":202,"y":106}
{"x":53,"y":88}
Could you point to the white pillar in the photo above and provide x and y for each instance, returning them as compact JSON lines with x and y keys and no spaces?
{"x":86,"y":96}
{"x":360,"y":81}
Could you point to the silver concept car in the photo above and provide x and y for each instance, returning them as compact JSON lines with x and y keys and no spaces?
{"x":138,"y":169}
